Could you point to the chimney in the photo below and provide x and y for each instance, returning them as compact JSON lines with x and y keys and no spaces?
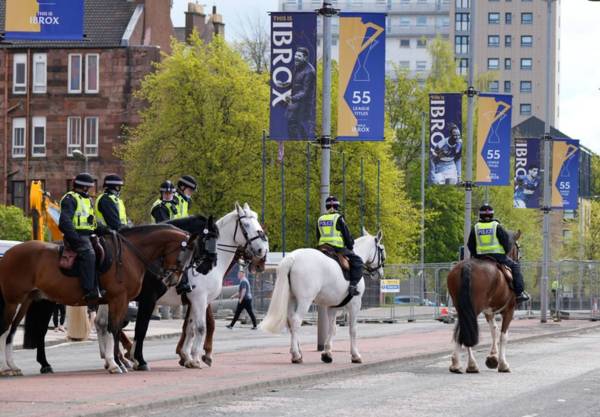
{"x":195,"y":19}
{"x":216,"y":20}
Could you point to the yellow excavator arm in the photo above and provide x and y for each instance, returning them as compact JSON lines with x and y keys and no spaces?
{"x":44,"y":213}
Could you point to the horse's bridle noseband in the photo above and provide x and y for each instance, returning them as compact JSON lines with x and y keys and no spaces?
{"x":248,"y":246}
{"x":379,"y":256}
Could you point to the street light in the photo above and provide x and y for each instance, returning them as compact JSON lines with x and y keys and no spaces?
{"x":77,"y":154}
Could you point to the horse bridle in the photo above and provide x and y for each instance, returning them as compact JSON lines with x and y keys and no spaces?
{"x":248,"y":246}
{"x":379,"y":256}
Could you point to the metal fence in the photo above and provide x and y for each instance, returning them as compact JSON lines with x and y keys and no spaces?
{"x":574,"y":292}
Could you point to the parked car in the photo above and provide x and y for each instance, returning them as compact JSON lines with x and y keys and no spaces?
{"x":6,"y":245}
{"x":415,"y":300}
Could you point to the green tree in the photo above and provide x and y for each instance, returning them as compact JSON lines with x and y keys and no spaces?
{"x":13,"y":224}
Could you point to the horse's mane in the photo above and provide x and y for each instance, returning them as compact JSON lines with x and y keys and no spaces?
{"x":146,"y":228}
{"x":195,"y":224}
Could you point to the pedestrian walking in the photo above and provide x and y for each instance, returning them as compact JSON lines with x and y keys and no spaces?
{"x":58,"y":317}
{"x":245,"y":300}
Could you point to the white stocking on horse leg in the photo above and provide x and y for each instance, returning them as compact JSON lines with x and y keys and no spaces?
{"x":186,"y":349}
{"x":472,"y":367}
{"x":295,"y":322}
{"x":5,"y":369}
{"x":109,"y":356}
{"x":503,"y":366}
{"x":455,"y":367}
{"x":327,"y":355}
{"x":492,"y":360}
{"x":199,"y":315}
{"x":353,"y":313}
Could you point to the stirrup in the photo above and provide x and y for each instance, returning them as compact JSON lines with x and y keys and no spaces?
{"x":521,"y":298}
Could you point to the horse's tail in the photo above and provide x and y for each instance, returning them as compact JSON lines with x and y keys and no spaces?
{"x":36,"y":323}
{"x":276,"y":318}
{"x":466,"y":331}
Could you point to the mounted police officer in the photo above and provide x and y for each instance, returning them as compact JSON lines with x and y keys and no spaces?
{"x":185,"y":188}
{"x":489,"y":239}
{"x":77,"y":222}
{"x":110,"y":209}
{"x":333,"y":231}
{"x":165,"y":208}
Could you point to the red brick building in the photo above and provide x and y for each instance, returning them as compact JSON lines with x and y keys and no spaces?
{"x":65,"y":105}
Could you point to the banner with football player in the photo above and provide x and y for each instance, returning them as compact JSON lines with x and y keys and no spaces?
{"x":528,"y":181}
{"x":445,"y":141}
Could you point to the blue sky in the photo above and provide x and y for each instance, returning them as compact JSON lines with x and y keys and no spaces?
{"x":580,"y":57}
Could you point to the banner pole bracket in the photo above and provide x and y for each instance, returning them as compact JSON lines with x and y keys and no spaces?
{"x":547,"y":136}
{"x":325,"y":141}
{"x":546,"y":209}
{"x":471,"y":92}
{"x":327,"y":10}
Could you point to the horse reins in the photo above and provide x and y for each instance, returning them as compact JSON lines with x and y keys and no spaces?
{"x":234,"y":248}
{"x":380,"y":260}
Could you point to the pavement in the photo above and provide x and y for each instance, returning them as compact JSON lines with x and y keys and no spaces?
{"x":244,"y":360}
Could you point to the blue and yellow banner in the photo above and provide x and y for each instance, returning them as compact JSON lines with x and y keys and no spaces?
{"x":361,"y":89}
{"x":565,"y":173}
{"x":493,"y":139}
{"x":293,"y":75}
{"x":44,"y":20}
{"x":445,"y":139}
{"x":528,"y":181}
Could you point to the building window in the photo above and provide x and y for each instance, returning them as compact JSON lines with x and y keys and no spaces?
{"x":91,"y":73}
{"x":421,"y":43}
{"x":38,"y":136}
{"x":462,"y":22}
{"x":18,"y":137}
{"x":18,"y":194}
{"x":463,"y":4}
{"x":507,"y":63}
{"x":461,"y":44}
{"x":493,"y":63}
{"x":404,"y":21}
{"x":493,"y":41}
{"x":526,"y":63}
{"x":526,"y":87}
{"x":40,"y":70}
{"x":74,"y":73}
{"x":527,"y":41}
{"x":507,"y":86}
{"x":404,"y":43}
{"x":525,"y":109}
{"x":445,"y":21}
{"x":20,"y":74}
{"x":494,"y":18}
{"x":73,"y":134}
{"x":526,"y":18}
{"x":91,"y":136}
{"x":493,"y":86}
{"x":421,"y":21}
{"x":508,"y":41}
{"x":421,"y":65}
{"x":463,"y":66}
{"x":508,"y":18}
{"x":404,"y":65}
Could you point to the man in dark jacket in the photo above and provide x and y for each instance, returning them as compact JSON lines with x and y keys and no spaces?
{"x":301,"y":103}
{"x":77,"y":222}
{"x":165,"y":208}
{"x":333,"y":231}
{"x":110,"y":209}
{"x":489,"y":239}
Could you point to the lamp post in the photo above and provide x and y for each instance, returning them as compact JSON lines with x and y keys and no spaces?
{"x":80,"y":156}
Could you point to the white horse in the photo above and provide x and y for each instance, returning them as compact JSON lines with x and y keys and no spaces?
{"x":307,"y":275}
{"x":240,"y":229}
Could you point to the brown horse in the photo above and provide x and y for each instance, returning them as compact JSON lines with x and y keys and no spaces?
{"x":479,"y":286}
{"x":30,"y":271}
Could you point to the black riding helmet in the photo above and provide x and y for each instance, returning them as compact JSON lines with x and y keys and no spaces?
{"x":83,"y":180}
{"x":486,"y":212}
{"x":187,"y":181}
{"x":332,"y":202}
{"x":167,"y":187}
{"x":112,"y":181}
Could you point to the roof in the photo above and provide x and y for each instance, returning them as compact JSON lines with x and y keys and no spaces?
{"x":105,"y":22}
{"x":534,"y":128}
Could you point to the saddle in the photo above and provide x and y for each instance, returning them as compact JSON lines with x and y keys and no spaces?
{"x":67,"y":257}
{"x":342,"y":260}
{"x":504,"y":270}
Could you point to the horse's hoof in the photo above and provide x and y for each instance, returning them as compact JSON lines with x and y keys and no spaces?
{"x":357,"y":360}
{"x":115,"y":370}
{"x":142,"y":367}
{"x":6,"y":372}
{"x":297,"y":360}
{"x":123,"y":369}
{"x":126,"y":363}
{"x":472,"y":370}
{"x":182,"y":362}
{"x":46,"y":370}
{"x":189,"y":364}
{"x":455,"y":370}
{"x":106,"y":366}
{"x":504,"y":369}
{"x":491,"y":362}
{"x":326,"y":357}
{"x":207,"y":360}
{"x":17,"y":372}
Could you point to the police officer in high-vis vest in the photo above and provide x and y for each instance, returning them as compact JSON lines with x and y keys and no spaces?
{"x":185,"y":188}
{"x":489,"y":239}
{"x":77,"y":222}
{"x":333,"y":231}
{"x":110,"y":209}
{"x":165,"y":208}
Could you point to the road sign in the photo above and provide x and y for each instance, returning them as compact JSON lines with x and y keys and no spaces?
{"x":390,"y":285}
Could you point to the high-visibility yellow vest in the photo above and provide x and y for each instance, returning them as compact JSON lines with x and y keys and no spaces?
{"x":487,"y":241}
{"x":327,"y":229}
{"x":83,"y":219}
{"x":182,"y":206}
{"x":169,"y":205}
{"x":120,"y":206}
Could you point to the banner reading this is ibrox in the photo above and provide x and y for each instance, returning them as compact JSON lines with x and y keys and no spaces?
{"x":44,"y":20}
{"x":565,"y":173}
{"x":293,"y":75}
{"x":361,"y":88}
{"x":493,"y":139}
{"x":445,"y":141}
{"x":528,"y":181}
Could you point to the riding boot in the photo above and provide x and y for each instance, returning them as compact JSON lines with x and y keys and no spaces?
{"x":352,"y":289}
{"x":518,"y":282}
